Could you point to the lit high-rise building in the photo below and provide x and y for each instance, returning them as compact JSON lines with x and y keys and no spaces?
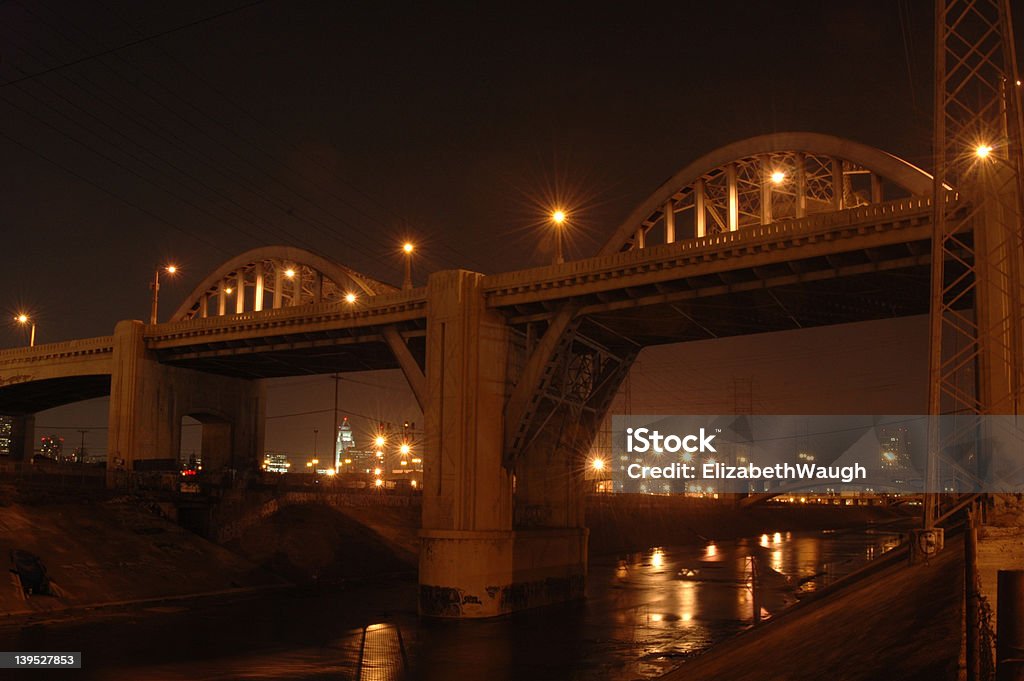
{"x":895,"y":448}
{"x":344,"y":444}
{"x":6,"y":432}
{"x":276,"y":462}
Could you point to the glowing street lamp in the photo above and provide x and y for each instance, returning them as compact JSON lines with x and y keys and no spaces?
{"x":24,"y":320}
{"x":350,"y":298}
{"x":597,"y":463}
{"x":558,"y":218}
{"x":405,"y":448}
{"x":290,"y":273}
{"x":169,"y":269}
{"x":778,"y":177}
{"x":982,"y":151}
{"x":380,"y":441}
{"x":407,"y":249}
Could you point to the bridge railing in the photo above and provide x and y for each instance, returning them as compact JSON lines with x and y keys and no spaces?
{"x":48,"y":351}
{"x":366,"y":307}
{"x":554,"y":275}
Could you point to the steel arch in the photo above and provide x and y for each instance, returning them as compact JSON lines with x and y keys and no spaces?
{"x":313,"y":279}
{"x":738,"y":176}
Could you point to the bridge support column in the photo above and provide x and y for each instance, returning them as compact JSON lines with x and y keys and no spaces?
{"x":467,"y":543}
{"x":148,"y":401}
{"x":472,"y":562}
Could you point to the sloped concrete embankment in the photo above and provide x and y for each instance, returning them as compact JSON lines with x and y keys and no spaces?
{"x":891,"y":621}
{"x":102,"y":552}
{"x":322,"y":537}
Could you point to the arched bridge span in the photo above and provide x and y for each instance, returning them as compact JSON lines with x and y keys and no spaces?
{"x":272,"y":277}
{"x":765,"y":179}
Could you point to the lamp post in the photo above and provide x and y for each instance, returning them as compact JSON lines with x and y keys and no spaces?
{"x":558,"y":219}
{"x":169,"y":269}
{"x":407,"y":249}
{"x":24,"y":320}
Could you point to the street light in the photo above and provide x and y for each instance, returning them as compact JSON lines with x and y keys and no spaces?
{"x":24,"y":319}
{"x":407,"y":249}
{"x":350,"y":298}
{"x":982,"y":151}
{"x":778,"y":176}
{"x":597,"y":463}
{"x":169,"y":269}
{"x":558,"y":217}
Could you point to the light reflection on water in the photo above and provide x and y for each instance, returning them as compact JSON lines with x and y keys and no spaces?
{"x":645,"y":613}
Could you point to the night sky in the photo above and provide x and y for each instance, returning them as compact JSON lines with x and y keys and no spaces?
{"x":346,"y":129}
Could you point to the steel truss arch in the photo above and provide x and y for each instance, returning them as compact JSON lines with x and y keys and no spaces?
{"x":271,"y":277}
{"x":764,"y":179}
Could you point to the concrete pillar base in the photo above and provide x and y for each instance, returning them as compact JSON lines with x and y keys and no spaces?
{"x":466,"y":574}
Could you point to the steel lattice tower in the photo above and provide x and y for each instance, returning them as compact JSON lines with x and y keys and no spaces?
{"x":976,"y":356}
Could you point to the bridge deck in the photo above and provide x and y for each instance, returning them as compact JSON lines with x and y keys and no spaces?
{"x":865,"y":263}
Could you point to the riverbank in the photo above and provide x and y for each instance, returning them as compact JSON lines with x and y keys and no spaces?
{"x":106,"y":551}
{"x":113,"y":552}
{"x":903,"y":622}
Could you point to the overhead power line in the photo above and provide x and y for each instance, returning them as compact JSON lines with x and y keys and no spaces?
{"x":140,"y":41}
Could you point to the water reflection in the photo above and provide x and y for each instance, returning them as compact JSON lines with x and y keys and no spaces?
{"x":382,"y":654}
{"x":644,"y":614}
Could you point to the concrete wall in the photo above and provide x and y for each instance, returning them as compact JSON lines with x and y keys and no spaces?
{"x":148,"y":401}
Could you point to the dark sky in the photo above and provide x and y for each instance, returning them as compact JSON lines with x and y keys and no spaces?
{"x":347,"y":127}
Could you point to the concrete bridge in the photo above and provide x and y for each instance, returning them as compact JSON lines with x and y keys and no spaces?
{"x":515,"y":371}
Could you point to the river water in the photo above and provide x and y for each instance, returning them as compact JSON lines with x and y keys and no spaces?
{"x":645,"y":614}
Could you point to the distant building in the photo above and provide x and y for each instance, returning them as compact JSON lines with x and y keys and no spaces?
{"x":6,"y":435}
{"x":51,"y":447}
{"x":895,"y":449}
{"x":344,"y":445}
{"x":276,"y":462}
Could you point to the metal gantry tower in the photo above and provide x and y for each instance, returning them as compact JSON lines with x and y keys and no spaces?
{"x":976,"y":335}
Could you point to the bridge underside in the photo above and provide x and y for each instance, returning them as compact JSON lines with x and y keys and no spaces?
{"x":738,"y":311}
{"x":854,"y":286}
{"x":329,"y":351}
{"x":36,"y":396}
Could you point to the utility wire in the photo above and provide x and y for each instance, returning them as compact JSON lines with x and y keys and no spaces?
{"x":126,"y":201}
{"x":262,"y":124}
{"x":125,"y":167}
{"x":124,"y":105}
{"x":254,"y":218}
{"x":140,"y":41}
{"x":372,"y":251}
